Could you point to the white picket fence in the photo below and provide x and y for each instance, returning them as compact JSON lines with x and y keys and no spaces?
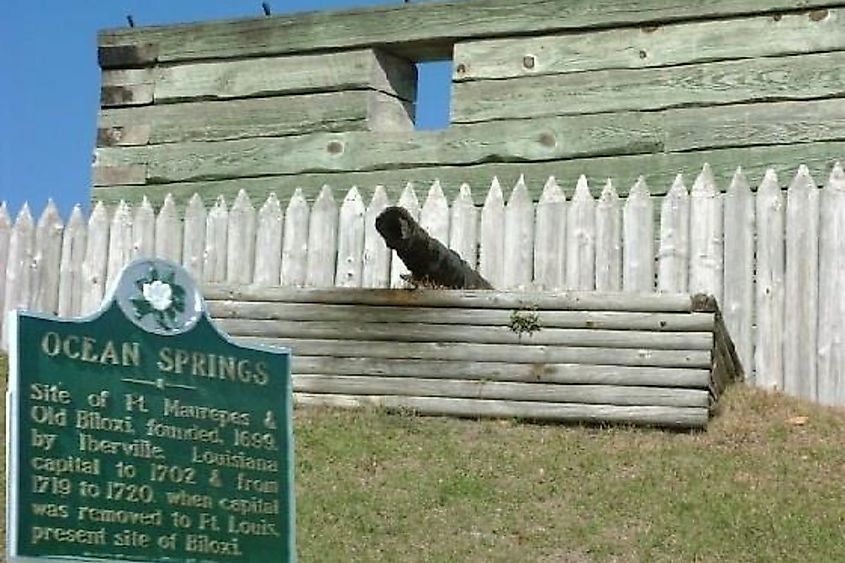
{"x":774,"y":260}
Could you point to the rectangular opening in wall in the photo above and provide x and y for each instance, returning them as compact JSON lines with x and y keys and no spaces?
{"x":434,"y":91}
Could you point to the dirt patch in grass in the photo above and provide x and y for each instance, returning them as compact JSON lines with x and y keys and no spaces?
{"x":763,"y":483}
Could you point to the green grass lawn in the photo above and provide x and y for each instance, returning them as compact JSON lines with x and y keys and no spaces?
{"x":765,"y":482}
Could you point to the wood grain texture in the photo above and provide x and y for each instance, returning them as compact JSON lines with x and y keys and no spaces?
{"x":801,"y":285}
{"x":571,"y":374}
{"x":423,"y":31}
{"x":351,"y":110}
{"x":408,"y":332}
{"x":561,"y":301}
{"x":830,"y":361}
{"x":494,"y":352}
{"x":272,"y":76}
{"x":512,"y":391}
{"x":738,"y":301}
{"x":770,"y":212}
{"x":649,"y":46}
{"x":659,"y":171}
{"x":516,"y":141}
{"x":70,"y":266}
{"x":800,"y":77}
{"x":599,"y":320}
{"x":682,"y":417}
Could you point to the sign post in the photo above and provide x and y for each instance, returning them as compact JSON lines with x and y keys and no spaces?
{"x":143,"y":434}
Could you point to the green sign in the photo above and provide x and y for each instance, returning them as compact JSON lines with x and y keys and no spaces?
{"x":143,"y":434}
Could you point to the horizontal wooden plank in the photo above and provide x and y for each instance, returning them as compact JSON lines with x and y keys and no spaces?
{"x":481,"y":299}
{"x":681,"y":417}
{"x":502,"y":371}
{"x":259,"y":117}
{"x":614,"y":320}
{"x":128,"y":175}
{"x":271,"y":76}
{"x":130,"y":95}
{"x":127,"y":55}
{"x":659,"y":171}
{"x":425,"y":30}
{"x":786,"y":78}
{"x":123,"y":135}
{"x":589,"y":394}
{"x":512,"y":353}
{"x":747,"y":125}
{"x":651,"y":46}
{"x":420,"y":332}
{"x":128,"y":77}
{"x":515,"y":141}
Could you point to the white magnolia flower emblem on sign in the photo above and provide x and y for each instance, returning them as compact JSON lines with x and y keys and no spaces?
{"x":161,"y":298}
{"x":159,"y":294}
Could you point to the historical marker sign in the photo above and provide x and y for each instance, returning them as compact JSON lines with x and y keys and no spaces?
{"x":143,"y":434}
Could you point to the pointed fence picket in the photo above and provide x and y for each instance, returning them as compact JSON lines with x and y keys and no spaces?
{"x":216,"y":242}
{"x":434,"y":216}
{"x":70,"y":265}
{"x":240,"y":241}
{"x":5,"y":235}
{"x":801,"y":286}
{"x":777,"y":258}
{"x":268,"y":243}
{"x":408,"y":199}
{"x":193,"y":248}
{"x":463,"y":231}
{"x":375,"y":262}
{"x":19,"y":265}
{"x":350,"y":240}
{"x":638,"y":234}
{"x":581,"y":238}
{"x":322,"y":241}
{"x":608,"y":240}
{"x":830,"y":363}
{"x":295,"y":241}
{"x":550,"y":237}
{"x":519,"y":238}
{"x":491,"y":257}
{"x":48,"y":253}
{"x":96,"y":260}
{"x":771,"y":219}
{"x":168,"y":232}
{"x":738,"y":301}
{"x":143,"y":230}
{"x":705,"y":230}
{"x":120,"y":249}
{"x":673,"y":255}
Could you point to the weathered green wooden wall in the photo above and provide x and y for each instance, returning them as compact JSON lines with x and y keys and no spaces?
{"x":607,"y":88}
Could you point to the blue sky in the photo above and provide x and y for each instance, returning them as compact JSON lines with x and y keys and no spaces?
{"x":50,"y":84}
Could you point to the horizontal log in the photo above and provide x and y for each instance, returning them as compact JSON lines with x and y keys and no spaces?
{"x":423,"y":31}
{"x":413,"y":332}
{"x":681,"y":417}
{"x":522,"y":141}
{"x":482,"y":299}
{"x":503,"y":371}
{"x":650,"y":46}
{"x":512,"y":353}
{"x":617,"y":320}
{"x":800,"y":77}
{"x":272,"y":76}
{"x":352,"y":110}
{"x":659,"y":170}
{"x":413,"y":387}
